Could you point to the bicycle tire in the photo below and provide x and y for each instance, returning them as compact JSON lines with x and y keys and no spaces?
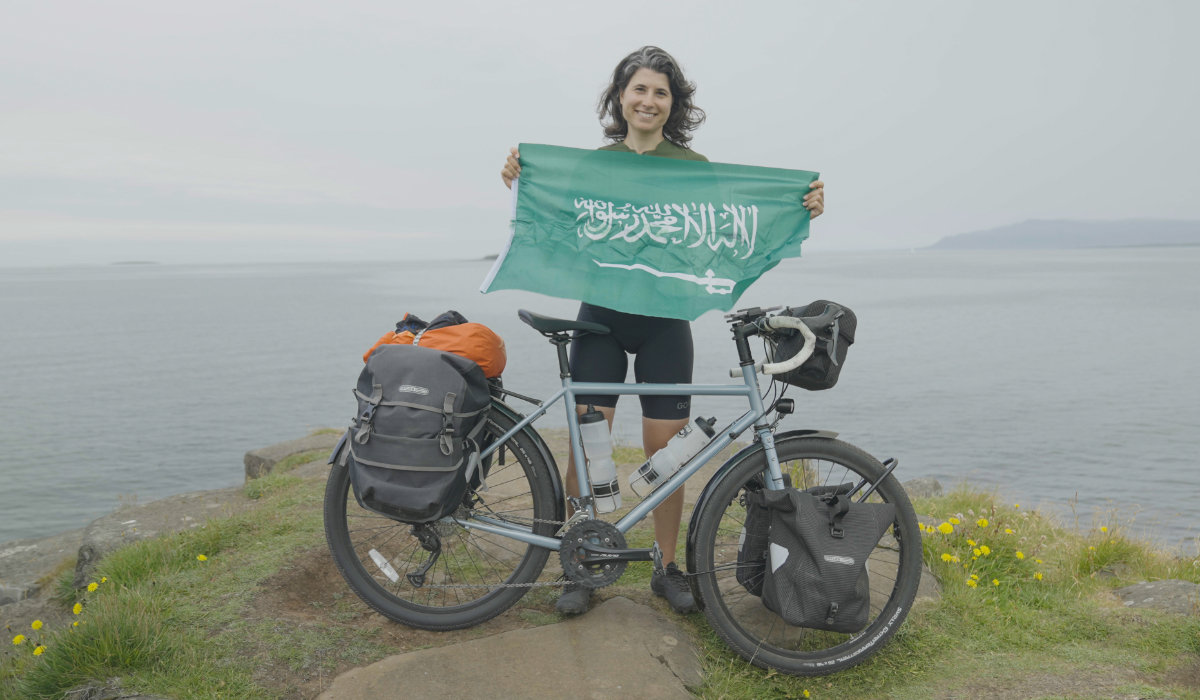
{"x":479,"y":559}
{"x":759,"y":635}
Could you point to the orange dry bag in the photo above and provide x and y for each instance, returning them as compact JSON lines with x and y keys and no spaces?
{"x":450,"y":332}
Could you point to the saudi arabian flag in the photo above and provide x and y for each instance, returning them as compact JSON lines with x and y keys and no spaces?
{"x":647,"y":235}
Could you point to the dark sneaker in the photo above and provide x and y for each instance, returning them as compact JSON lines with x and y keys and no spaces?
{"x":671,"y":584}
{"x":574,"y":599}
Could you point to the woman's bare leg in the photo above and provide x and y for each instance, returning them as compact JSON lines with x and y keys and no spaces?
{"x":656,"y":433}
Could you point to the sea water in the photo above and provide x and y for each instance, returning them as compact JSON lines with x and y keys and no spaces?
{"x":1059,"y":377}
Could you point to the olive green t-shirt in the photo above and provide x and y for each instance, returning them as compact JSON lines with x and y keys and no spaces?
{"x":664,"y":149}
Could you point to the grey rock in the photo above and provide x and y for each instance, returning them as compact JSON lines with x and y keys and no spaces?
{"x":24,"y":563}
{"x":1172,"y":595}
{"x":260,"y":462}
{"x":929,"y":589}
{"x":619,"y":649}
{"x":148,"y":520}
{"x":924,"y":487}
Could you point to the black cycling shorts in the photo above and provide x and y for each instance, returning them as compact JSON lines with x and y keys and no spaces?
{"x":664,"y":356}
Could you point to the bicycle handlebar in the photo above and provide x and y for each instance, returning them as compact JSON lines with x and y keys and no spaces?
{"x":810,"y":343}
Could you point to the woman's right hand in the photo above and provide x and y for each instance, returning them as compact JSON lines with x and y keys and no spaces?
{"x":512,"y":168}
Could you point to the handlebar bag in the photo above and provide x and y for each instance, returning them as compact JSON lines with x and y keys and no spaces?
{"x":413,"y":443}
{"x":817,"y":573}
{"x":834,"y":326}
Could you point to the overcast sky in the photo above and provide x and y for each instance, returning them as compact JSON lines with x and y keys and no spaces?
{"x":303,"y":130}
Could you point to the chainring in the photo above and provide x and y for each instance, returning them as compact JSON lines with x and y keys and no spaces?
{"x":571,"y":555}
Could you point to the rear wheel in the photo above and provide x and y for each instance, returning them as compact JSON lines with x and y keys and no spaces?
{"x":466,"y":585}
{"x":758,"y":634}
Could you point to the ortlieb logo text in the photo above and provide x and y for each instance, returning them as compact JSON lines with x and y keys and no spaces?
{"x":848,"y":561}
{"x":414,"y":389}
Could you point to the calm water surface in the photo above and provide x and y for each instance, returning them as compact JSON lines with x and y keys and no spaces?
{"x":1053,"y":376}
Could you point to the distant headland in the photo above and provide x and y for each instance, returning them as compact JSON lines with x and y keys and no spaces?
{"x":1050,"y":234}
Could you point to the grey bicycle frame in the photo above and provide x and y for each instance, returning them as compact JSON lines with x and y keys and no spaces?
{"x":753,"y":417}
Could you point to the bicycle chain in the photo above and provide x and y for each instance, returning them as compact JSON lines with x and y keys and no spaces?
{"x":535,"y":584}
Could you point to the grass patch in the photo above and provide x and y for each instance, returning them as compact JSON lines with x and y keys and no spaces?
{"x":170,"y":623}
{"x":273,"y":483}
{"x":292,"y":461}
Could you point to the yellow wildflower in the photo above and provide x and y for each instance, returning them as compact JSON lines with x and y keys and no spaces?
{"x":77,"y":609}
{"x":982,"y":522}
{"x":977,"y":551}
{"x":75,"y":623}
{"x":1091,"y":549}
{"x":953,"y":521}
{"x":38,"y":651}
{"x":19,"y":639}
{"x":1038,"y":576}
{"x":984,"y":548}
{"x":975,"y":576}
{"x":1103,"y":528}
{"x":103,"y":579}
{"x":971,"y":542}
{"x":201,"y":557}
{"x":93,"y":586}
{"x":806,"y":694}
{"x":995,"y":582}
{"x":946,"y":556}
{"x":1020,"y":554}
{"x":945,"y":528}
{"x":36,"y":624}
{"x":1039,"y":561}
{"x":1008,"y":531}
{"x":1016,"y":505}
{"x":971,"y":583}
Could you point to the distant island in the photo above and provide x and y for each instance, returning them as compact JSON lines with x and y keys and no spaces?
{"x":1067,"y":233}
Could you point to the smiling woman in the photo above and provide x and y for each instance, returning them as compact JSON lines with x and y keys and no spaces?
{"x":649,"y":100}
{"x":647,"y":109}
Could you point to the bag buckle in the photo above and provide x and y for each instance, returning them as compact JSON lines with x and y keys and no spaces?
{"x":833,"y":608}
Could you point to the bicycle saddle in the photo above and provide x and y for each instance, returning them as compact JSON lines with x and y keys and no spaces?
{"x":546,"y":324}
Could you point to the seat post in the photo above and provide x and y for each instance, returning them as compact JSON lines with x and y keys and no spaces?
{"x":561,"y":341}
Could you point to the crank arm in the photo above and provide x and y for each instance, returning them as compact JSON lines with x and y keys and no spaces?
{"x":599,"y":555}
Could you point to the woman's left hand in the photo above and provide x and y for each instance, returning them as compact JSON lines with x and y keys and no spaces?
{"x":815,"y":199}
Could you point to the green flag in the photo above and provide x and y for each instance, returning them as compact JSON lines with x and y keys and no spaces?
{"x":644,"y":235}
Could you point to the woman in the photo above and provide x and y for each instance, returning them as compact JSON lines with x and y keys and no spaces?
{"x":649,"y":111}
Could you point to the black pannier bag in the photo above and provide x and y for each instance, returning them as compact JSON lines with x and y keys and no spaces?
{"x":414,"y":442}
{"x":834,"y":326}
{"x":816,"y":569}
{"x":752,"y":543}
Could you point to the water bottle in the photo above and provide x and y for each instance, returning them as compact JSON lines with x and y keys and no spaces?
{"x":602,"y":471}
{"x":685,"y":445}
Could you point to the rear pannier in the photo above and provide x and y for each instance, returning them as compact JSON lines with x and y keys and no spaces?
{"x":414,"y":441}
{"x":834,"y":326}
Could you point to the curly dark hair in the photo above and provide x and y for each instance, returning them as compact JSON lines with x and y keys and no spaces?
{"x":684,"y":117}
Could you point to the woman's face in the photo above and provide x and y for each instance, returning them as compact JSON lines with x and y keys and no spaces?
{"x":646,"y":101}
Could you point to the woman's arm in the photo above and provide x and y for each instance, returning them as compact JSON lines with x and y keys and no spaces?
{"x":814,"y":200}
{"x":512,"y":168}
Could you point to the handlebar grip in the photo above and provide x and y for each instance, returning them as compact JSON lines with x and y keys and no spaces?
{"x":810,"y":343}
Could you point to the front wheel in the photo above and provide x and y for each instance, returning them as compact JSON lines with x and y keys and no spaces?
{"x":761,"y":636}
